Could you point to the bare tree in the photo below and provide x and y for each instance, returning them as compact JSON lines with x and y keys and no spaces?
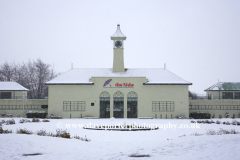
{"x":31,"y":75}
{"x":6,"y":72}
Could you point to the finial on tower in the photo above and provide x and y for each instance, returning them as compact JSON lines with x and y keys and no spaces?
{"x":118,"y":35}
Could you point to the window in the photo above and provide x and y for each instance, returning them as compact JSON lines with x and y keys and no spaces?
{"x":32,"y":107}
{"x":227,"y":95}
{"x":11,"y":107}
{"x":44,"y":106}
{"x":92,"y":104}
{"x":161,"y":106}
{"x":73,"y":105}
{"x":5,"y":95}
{"x":237,"y":95}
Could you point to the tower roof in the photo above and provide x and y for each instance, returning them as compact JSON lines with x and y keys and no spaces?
{"x":118,"y":35}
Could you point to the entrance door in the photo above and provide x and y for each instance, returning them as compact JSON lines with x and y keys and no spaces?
{"x":118,"y":105}
{"x":132,"y":99}
{"x":104,"y":105}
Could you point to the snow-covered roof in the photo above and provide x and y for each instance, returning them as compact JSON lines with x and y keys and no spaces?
{"x":154,"y":76}
{"x":118,"y":32}
{"x":226,"y":86}
{"x":11,"y":86}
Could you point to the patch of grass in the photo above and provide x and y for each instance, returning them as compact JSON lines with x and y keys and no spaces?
{"x":10,"y":122}
{"x":81,"y":138}
{"x":24,"y":121}
{"x":222,"y":131}
{"x":24,"y":131}
{"x":139,"y":155}
{"x":36,"y":120}
{"x":2,"y":131}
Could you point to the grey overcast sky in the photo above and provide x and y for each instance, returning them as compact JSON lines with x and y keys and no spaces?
{"x":199,"y":40}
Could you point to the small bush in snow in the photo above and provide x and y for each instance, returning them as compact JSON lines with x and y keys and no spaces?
{"x":238,"y":123}
{"x":81,"y":138}
{"x":221,"y":131}
{"x":45,"y":120}
{"x":35,"y":120}
{"x":181,"y":117}
{"x":24,"y":121}
{"x":227,"y":115}
{"x":234,"y":122}
{"x":3,"y":114}
{"x":43,"y":133}
{"x":227,"y":123}
{"x":224,"y":122}
{"x":196,"y":134}
{"x":62,"y":133}
{"x":9,"y":122}
{"x":2,"y":131}
{"x":24,"y":131}
{"x":218,"y":122}
{"x":9,"y":115}
{"x":193,"y":121}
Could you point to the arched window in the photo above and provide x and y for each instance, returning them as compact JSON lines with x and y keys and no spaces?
{"x":132,"y":99}
{"x":118,"y":104}
{"x":104,"y":105}
{"x":132,"y":96}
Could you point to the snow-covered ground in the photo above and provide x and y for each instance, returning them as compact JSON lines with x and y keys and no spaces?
{"x":168,"y":143}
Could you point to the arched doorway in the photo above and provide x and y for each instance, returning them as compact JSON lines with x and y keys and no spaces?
{"x":132,"y":99}
{"x":104,"y":105}
{"x":118,"y":103}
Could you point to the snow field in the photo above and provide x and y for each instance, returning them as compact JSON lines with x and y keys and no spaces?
{"x":159,"y":144}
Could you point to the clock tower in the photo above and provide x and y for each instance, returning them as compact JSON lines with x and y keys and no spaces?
{"x":118,"y":47}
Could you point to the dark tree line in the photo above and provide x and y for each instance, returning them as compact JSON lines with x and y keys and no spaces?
{"x":32,"y":75}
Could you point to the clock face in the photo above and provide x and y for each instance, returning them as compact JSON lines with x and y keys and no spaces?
{"x":118,"y":44}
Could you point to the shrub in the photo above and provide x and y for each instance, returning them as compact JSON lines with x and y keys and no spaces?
{"x":11,"y":121}
{"x":36,"y":114}
{"x":224,"y":122}
{"x":221,"y":131}
{"x":193,"y":121}
{"x":220,"y":116}
{"x":62,"y":133}
{"x":24,"y":131}
{"x":24,"y":121}
{"x":234,"y":122}
{"x":227,"y":123}
{"x":43,"y":133}
{"x":218,"y":122}
{"x":226,"y":114}
{"x":45,"y":120}
{"x":84,"y":139}
{"x":3,"y":114}
{"x":52,"y":116}
{"x":35,"y":120}
{"x":9,"y":115}
{"x":2,"y":131}
{"x":196,"y":134}
{"x":200,"y":115}
{"x":238,"y":123}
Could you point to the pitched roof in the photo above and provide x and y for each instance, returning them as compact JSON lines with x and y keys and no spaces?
{"x":118,"y":32}
{"x":226,"y":86}
{"x":11,"y":86}
{"x":82,"y":76}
